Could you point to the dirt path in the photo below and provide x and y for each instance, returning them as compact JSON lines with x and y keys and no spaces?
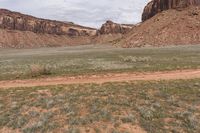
{"x":121,"y":77}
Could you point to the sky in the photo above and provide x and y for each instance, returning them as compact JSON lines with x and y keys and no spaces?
{"x":91,"y":13}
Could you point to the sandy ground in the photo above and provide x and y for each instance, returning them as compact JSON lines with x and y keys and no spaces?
{"x":99,"y":79}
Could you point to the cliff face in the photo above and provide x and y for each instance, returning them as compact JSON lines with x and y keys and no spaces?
{"x":113,"y":28}
{"x":24,"y":31}
{"x":156,"y":6}
{"x":17,"y":21}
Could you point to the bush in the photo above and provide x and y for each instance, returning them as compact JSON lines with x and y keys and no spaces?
{"x":128,"y":119}
{"x":73,"y":130}
{"x":39,"y":70}
{"x":189,"y":120}
{"x":135,"y":59}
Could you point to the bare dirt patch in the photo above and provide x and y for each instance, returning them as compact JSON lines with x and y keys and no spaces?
{"x":132,"y":129}
{"x":8,"y":130}
{"x":99,"y":79}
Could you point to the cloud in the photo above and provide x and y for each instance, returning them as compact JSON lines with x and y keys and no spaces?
{"x":85,"y":12}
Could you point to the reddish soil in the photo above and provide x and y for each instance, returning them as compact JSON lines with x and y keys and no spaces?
{"x":170,"y":27}
{"x":99,"y":79}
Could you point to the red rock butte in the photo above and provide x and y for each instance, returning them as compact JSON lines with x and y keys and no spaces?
{"x":113,"y":28}
{"x":156,"y":6}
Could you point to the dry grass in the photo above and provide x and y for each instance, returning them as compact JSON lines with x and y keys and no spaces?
{"x":94,"y":60}
{"x":134,"y":59}
{"x":165,"y":106}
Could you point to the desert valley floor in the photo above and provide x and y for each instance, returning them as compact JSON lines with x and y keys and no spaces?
{"x":100,"y":89}
{"x":94,"y":59}
{"x":57,"y":76}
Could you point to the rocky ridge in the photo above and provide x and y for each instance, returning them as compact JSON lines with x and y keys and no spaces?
{"x":24,"y":31}
{"x":16,"y":21}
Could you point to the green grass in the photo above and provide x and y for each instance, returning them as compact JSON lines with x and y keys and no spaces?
{"x":16,"y":64}
{"x":156,"y":107}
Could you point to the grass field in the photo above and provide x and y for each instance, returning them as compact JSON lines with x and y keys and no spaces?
{"x":30,"y":63}
{"x":153,"y":107}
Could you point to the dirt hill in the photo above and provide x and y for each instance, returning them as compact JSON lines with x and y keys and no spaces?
{"x":27,"y":39}
{"x":170,"y":27}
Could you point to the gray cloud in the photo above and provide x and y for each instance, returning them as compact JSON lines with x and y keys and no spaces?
{"x":85,"y":12}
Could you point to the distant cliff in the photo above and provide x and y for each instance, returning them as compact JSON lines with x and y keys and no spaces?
{"x":113,"y":28}
{"x":156,"y":6}
{"x":16,"y":21}
{"x":18,"y":30}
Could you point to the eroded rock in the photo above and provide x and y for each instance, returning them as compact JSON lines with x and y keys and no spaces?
{"x":156,"y":6}
{"x":16,"y":21}
{"x":113,"y":28}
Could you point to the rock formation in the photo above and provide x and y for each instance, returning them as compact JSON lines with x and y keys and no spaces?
{"x":113,"y":28}
{"x":17,"y":21}
{"x":170,"y":27}
{"x":24,"y":31}
{"x":156,"y":6}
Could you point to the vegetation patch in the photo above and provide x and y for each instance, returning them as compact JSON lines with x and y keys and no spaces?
{"x":82,"y":60}
{"x":164,"y":106}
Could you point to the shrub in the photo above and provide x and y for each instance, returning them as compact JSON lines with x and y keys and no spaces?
{"x":189,"y":120}
{"x":73,"y":130}
{"x":155,"y":111}
{"x":135,"y":59}
{"x":128,"y":119}
{"x":38,"y":70}
{"x":146,"y":113}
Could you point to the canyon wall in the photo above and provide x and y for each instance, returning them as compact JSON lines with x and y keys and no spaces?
{"x":16,"y":21}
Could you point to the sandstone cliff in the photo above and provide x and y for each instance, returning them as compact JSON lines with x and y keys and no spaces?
{"x":111,"y":32}
{"x":156,"y":6}
{"x":113,"y":28}
{"x":23,"y":31}
{"x":16,"y":21}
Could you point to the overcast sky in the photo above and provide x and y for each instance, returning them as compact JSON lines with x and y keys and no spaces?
{"x":85,"y":12}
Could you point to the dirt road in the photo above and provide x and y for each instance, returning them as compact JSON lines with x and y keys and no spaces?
{"x":99,"y":79}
